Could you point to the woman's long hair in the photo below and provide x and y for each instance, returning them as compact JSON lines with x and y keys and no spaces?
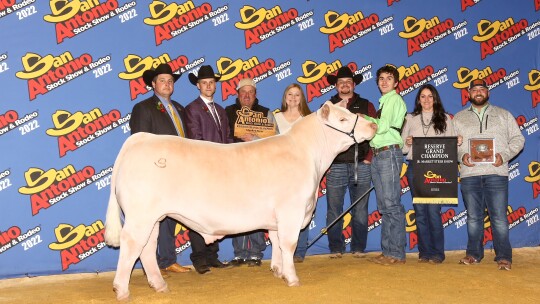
{"x":304,"y":109}
{"x":439,"y":117}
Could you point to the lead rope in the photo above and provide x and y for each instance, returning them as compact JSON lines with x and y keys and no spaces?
{"x":356,"y":163}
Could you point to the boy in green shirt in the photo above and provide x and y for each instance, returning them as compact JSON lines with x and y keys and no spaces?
{"x":386,"y":167}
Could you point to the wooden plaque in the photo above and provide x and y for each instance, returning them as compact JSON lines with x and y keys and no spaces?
{"x":482,"y":150}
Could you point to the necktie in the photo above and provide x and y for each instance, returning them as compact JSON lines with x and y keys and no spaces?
{"x":214,"y":113}
{"x":177,"y":122}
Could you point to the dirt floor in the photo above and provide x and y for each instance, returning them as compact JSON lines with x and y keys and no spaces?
{"x":346,"y":280}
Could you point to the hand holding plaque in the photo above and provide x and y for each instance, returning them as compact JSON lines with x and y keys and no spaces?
{"x":482,"y":150}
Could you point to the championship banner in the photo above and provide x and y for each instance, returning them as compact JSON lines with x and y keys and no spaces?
{"x":435,"y":170}
{"x":252,"y":122}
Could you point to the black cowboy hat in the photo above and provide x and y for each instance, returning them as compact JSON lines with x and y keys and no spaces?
{"x":205,"y":71}
{"x":163,"y":68}
{"x":344,"y":72}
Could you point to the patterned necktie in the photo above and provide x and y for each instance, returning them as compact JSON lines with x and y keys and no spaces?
{"x":215,"y":115}
{"x":177,"y":122}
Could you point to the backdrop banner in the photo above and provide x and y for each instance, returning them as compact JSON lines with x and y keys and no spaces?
{"x":71,"y":72}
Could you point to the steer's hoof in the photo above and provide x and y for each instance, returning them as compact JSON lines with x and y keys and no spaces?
{"x":121,"y":296}
{"x":164,"y":289}
{"x":277,"y":272}
{"x":293,"y":284}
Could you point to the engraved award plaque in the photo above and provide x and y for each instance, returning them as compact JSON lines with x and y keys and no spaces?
{"x":482,"y":150}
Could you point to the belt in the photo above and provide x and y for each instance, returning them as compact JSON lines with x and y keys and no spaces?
{"x":385,"y":148}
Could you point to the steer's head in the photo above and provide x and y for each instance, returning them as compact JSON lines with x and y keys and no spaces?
{"x":346,"y":126}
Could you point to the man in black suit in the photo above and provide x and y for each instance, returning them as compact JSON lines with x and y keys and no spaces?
{"x":206,"y":121}
{"x":160,"y":114}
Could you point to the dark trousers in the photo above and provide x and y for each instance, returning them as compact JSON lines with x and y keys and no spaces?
{"x":202,"y":254}
{"x":166,"y":253}
{"x":429,"y":226}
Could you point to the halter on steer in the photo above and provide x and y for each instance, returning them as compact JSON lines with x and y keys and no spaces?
{"x":351,"y":134}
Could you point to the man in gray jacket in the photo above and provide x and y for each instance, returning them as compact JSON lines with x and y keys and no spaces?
{"x":484,"y":171}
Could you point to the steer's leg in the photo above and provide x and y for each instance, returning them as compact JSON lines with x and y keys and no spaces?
{"x":149,"y":262}
{"x":276,"y":263}
{"x":288,"y":238}
{"x":130,"y":249}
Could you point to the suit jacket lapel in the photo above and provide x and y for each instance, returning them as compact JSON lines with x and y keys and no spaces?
{"x":211,"y":117}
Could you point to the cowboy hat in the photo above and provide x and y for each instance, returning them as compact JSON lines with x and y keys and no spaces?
{"x":163,"y":68}
{"x":205,"y":72}
{"x":246,"y":82}
{"x":344,"y":72}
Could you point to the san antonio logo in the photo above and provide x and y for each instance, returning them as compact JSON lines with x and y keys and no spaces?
{"x":135,"y":66}
{"x":261,"y":24}
{"x":314,"y":76}
{"x":492,"y":78}
{"x":171,"y":20}
{"x":343,"y":29}
{"x":232,"y":71}
{"x":46,"y":73}
{"x":534,"y":87}
{"x":78,"y":243}
{"x":493,"y":36}
{"x":74,"y":130}
{"x":421,"y":33}
{"x":72,"y":18}
{"x":534,"y":177}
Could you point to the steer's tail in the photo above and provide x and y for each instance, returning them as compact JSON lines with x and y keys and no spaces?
{"x":113,"y":225}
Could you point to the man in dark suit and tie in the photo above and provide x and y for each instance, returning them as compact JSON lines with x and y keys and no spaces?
{"x":160,"y":114}
{"x":206,"y":121}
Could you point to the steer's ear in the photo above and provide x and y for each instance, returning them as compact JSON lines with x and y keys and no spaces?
{"x":325,"y":111}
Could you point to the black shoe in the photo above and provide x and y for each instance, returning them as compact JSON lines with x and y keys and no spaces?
{"x":298,"y":259}
{"x":219,"y":264}
{"x":237,"y":262}
{"x":254,"y":262}
{"x":202,"y":269}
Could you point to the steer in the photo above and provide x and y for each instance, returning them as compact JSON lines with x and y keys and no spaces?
{"x":193,"y":182}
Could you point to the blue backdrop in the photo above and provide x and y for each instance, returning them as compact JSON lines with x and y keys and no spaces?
{"x":70,"y":73}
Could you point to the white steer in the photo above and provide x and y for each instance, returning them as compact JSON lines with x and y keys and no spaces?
{"x":218,"y":189}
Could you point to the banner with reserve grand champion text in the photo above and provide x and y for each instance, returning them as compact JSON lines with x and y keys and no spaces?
{"x":435,"y":177}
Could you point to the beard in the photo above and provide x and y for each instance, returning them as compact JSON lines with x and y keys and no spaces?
{"x":479,"y":102}
{"x":345,"y":91}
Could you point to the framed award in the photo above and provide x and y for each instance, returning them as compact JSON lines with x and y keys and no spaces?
{"x":482,"y":150}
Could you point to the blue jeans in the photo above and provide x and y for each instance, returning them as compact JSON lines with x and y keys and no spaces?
{"x":429,"y":226}
{"x":479,"y":193}
{"x":385,"y":171}
{"x":301,"y":247}
{"x":338,"y":179}
{"x":249,"y":245}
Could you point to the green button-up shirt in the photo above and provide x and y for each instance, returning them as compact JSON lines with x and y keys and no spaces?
{"x":392,"y":115}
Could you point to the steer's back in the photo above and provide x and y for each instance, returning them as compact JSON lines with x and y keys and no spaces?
{"x":213,"y":186}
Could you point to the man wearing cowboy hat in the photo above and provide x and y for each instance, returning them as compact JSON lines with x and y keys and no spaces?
{"x":160,"y":114}
{"x":349,"y":172}
{"x":248,"y":247}
{"x":247,"y":97}
{"x":485,"y":185}
{"x":208,"y":121}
